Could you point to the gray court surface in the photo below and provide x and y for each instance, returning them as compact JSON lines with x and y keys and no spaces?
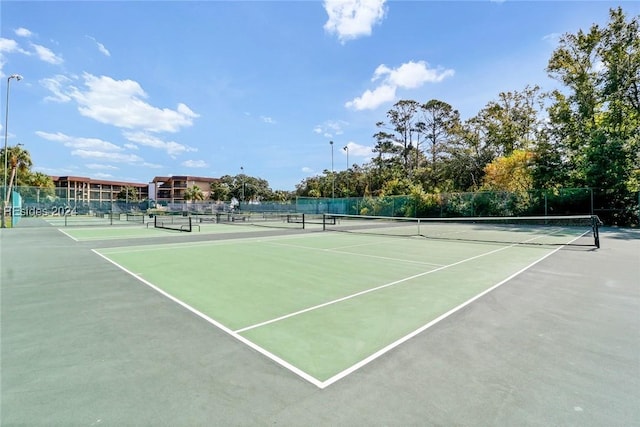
{"x":83,"y":343}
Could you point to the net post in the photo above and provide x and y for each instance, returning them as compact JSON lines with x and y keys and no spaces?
{"x":324,"y":222}
{"x":595,"y":226}
{"x":303,"y":223}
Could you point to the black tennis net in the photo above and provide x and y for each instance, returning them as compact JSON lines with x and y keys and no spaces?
{"x":262,"y":219}
{"x":532,"y":230}
{"x":173,"y":222}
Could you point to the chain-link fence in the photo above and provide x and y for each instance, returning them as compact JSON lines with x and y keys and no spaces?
{"x":613,"y":207}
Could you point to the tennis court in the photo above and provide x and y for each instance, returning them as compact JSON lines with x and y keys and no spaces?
{"x":413,"y":316}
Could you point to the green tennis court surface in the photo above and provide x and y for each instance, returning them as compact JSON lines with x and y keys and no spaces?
{"x":323,"y":304}
{"x":311,"y":328}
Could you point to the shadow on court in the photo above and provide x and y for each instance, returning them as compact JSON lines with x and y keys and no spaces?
{"x":84,"y":343}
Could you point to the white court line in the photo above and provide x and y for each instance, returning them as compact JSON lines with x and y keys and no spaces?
{"x":407,"y":337}
{"x":68,"y":235}
{"x":377,"y":288}
{"x":217,"y":324}
{"x":294,"y":369}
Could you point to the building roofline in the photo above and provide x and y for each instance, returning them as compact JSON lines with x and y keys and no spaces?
{"x":97,"y":181}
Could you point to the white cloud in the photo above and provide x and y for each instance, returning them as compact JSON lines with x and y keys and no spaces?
{"x":330,"y":128}
{"x":350,"y":19}
{"x":101,"y":155}
{"x":91,"y":148}
{"x":103,"y":50}
{"x":307,"y":170}
{"x":194,"y":164}
{"x":412,"y":74}
{"x":23,"y":32}
{"x":79,"y":142}
{"x":266,"y":119}
{"x":409,"y":75}
{"x":99,"y":166}
{"x":56,"y":86}
{"x":46,"y":54}
{"x":121,"y":103}
{"x":100,"y":175}
{"x":358,"y":150}
{"x":8,"y":46}
{"x":172,"y":148}
{"x":552,"y":38}
{"x":372,"y":99}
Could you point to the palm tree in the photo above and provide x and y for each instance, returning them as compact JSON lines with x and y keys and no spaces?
{"x":40,"y":182}
{"x":18,"y":161}
{"x":194,"y":194}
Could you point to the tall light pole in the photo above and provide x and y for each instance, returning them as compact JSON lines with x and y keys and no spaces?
{"x":346,"y":148}
{"x":5,"y":198}
{"x":242,"y":173}
{"x":333,"y":178}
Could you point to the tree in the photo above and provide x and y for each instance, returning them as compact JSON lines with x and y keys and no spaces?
{"x":509,"y":173}
{"x":193,"y":193}
{"x":438,"y":122}
{"x":220,"y":191}
{"x":467,"y":155}
{"x":511,"y":122}
{"x":42,"y":183}
{"x":18,"y":163}
{"x":402,"y":124}
{"x":128,"y":194}
{"x":597,"y":120}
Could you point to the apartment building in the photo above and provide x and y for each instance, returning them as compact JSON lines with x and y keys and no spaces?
{"x":85,"y":190}
{"x":171,"y":189}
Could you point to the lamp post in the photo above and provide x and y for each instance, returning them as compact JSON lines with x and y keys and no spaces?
{"x":5,"y":199}
{"x":242,"y":173}
{"x":333,"y":178}
{"x":346,"y":148}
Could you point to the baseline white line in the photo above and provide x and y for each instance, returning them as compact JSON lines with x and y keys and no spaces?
{"x":219,"y":325}
{"x":407,"y":337}
{"x":366,"y":291}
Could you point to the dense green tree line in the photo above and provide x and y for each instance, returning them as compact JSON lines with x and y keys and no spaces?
{"x":586,"y":135}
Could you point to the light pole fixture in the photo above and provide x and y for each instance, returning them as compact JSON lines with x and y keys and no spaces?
{"x":346,"y":148}
{"x":5,"y":198}
{"x":333,"y":178}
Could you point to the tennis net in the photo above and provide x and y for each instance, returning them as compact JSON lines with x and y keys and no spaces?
{"x":173,"y":222}
{"x":261,"y":219}
{"x":532,"y":230}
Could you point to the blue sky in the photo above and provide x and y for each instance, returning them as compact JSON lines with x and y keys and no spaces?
{"x":131,"y":90}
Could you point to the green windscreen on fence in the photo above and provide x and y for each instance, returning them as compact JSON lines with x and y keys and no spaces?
{"x":16,"y":205}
